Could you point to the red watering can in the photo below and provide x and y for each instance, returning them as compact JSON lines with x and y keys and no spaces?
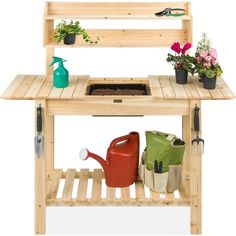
{"x":121,"y":164}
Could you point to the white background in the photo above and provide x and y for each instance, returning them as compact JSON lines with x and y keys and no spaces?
{"x":21,"y":51}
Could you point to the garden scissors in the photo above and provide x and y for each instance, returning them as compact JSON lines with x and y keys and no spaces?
{"x":168,"y":12}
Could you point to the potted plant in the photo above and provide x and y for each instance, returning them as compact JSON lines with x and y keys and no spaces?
{"x":67,"y":32}
{"x":182,"y":62}
{"x":208,"y":67}
{"x":203,"y":45}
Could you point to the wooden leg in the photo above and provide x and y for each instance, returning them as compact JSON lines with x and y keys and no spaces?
{"x":186,"y":136}
{"x":49,"y":142}
{"x":40,"y":204}
{"x":43,"y":164}
{"x":195,"y":178}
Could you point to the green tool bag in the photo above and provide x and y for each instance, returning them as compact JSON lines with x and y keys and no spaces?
{"x":163,"y":147}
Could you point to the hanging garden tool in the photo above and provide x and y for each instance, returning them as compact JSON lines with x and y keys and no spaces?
{"x":39,"y":139}
{"x":171,"y":12}
{"x":197,"y":140}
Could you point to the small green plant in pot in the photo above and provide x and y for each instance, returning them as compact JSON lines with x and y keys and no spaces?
{"x":208,"y":67}
{"x":182,"y":62}
{"x":67,"y":32}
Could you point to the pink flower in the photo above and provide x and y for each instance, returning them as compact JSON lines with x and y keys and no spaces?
{"x":207,"y":64}
{"x":186,"y":47}
{"x":208,"y":58}
{"x":203,"y":54}
{"x":214,"y":62}
{"x":213,"y":53}
{"x":176,"y":47}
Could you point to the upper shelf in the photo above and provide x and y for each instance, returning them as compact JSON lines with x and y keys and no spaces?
{"x":113,"y":10}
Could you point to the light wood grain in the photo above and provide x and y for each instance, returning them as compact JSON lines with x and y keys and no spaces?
{"x":139,"y":190}
{"x":155,"y":87}
{"x":8,"y":93}
{"x":83,"y":185}
{"x":125,"y":194}
{"x":67,"y":93}
{"x":166,"y":86}
{"x":35,"y":87}
{"x":81,"y":86}
{"x":179,"y":90}
{"x":111,"y":194}
{"x":23,"y":87}
{"x":97,"y":185}
{"x":128,"y":38}
{"x":111,"y":10}
{"x":68,"y":187}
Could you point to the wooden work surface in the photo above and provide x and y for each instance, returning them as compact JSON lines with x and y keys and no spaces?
{"x":39,"y":87}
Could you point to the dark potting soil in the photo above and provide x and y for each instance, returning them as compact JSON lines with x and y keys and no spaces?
{"x":117,"y":89}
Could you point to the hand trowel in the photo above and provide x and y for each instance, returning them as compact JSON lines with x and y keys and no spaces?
{"x":39,"y":139}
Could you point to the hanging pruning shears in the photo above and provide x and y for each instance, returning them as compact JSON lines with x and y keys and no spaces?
{"x":198,"y":141}
{"x":171,"y":12}
{"x":39,"y":138}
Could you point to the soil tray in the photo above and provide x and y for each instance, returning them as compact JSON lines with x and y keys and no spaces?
{"x":118,"y":89}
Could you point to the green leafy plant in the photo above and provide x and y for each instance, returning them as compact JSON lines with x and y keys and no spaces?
{"x":72,"y":28}
{"x":181,"y":60}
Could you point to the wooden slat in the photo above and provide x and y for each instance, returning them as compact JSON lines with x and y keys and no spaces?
{"x":191,"y":90}
{"x":184,"y":189}
{"x":83,"y":185}
{"x":118,"y":17}
{"x":23,"y":87}
{"x":170,"y":197}
{"x":154,"y":195}
{"x":128,"y":38}
{"x":139,"y":190}
{"x":81,"y":86}
{"x":224,"y":88}
{"x":56,"y":177}
{"x":155,"y":86}
{"x":45,"y":90}
{"x":167,"y":89}
{"x":8,"y":93}
{"x":203,"y":93}
{"x":216,"y":93}
{"x":68,"y":187}
{"x":97,"y":185}
{"x":179,"y":90}
{"x":113,"y":9}
{"x":125,"y":194}
{"x":55,"y":93}
{"x":68,"y":92}
{"x":111,"y":194}
{"x":35,"y":87}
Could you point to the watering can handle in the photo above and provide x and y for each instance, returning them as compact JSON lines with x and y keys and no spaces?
{"x":118,"y":140}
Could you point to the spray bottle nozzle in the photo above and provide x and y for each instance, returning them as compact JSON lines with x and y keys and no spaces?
{"x":57,"y":60}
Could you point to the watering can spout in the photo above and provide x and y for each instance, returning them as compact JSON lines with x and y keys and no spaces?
{"x":85,"y":154}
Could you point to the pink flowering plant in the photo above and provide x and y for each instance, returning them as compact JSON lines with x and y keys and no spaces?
{"x":206,"y":63}
{"x":181,"y":60}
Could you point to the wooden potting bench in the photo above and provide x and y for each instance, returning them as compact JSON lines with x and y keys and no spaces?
{"x":165,"y":98}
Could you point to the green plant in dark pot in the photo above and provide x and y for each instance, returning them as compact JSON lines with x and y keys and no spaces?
{"x":182,"y":62}
{"x":207,"y":65}
{"x":67,"y":32}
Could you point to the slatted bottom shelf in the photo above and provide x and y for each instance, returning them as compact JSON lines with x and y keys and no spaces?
{"x":72,"y":182}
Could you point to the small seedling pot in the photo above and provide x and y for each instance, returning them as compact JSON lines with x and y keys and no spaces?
{"x":181,"y":76}
{"x":209,"y":83}
{"x":69,"y":39}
